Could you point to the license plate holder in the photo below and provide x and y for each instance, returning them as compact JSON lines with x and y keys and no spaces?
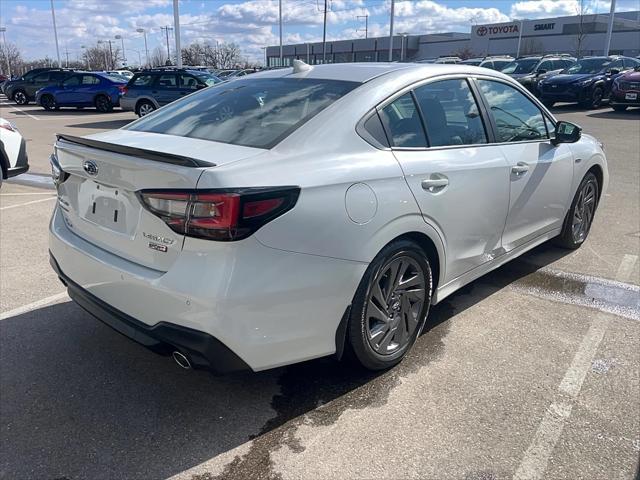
{"x":103,"y":207}
{"x":631,"y":96}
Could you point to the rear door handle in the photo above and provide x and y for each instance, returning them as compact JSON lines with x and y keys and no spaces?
{"x":435,"y":184}
{"x":520,"y":168}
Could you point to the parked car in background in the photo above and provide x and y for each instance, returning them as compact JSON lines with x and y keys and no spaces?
{"x":84,"y":89}
{"x":295,"y":213}
{"x":23,"y":90}
{"x":241,"y":73}
{"x":151,"y":89}
{"x":587,"y":82}
{"x":13,"y":151}
{"x":547,"y":66}
{"x":448,"y":60}
{"x":625,"y":90}
{"x":223,"y":74}
{"x":124,"y":73}
{"x":493,"y":63}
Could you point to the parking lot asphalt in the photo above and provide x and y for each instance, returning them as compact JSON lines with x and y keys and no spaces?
{"x":533,"y":371}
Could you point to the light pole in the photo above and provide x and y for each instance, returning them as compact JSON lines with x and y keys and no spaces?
{"x":166,"y":29}
{"x":612,"y":12}
{"x":393,"y":5}
{"x":55,"y":34}
{"x":520,"y":38}
{"x":366,"y":24}
{"x":124,"y":54}
{"x":84,"y":47}
{"x":6,"y":52}
{"x":176,"y":26}
{"x":139,"y":56}
{"x":146,"y":49}
{"x":402,"y":45}
{"x":280,"y":22}
{"x":108,"y":65}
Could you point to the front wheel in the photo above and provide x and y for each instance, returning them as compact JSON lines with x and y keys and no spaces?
{"x":48,"y":102}
{"x":103,"y":104}
{"x":20,"y":98}
{"x":577,"y":223}
{"x":390,"y":306}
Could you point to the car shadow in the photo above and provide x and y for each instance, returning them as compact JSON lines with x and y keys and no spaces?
{"x":629,"y":114}
{"x":106,"y":125}
{"x":81,"y":401}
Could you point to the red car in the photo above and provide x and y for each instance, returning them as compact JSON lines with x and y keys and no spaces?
{"x":625,"y":91}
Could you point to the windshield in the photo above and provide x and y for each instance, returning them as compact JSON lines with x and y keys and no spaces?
{"x":525,"y":65}
{"x":115,"y":77}
{"x":254,"y":113}
{"x":206,"y":78}
{"x":587,"y":65}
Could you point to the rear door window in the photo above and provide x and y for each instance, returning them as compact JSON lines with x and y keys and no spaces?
{"x":167,"y":81}
{"x":41,"y":78}
{"x":72,"y":81}
{"x":142,"y":81}
{"x":402,"y":122}
{"x":188,"y":82}
{"x":450,"y":113}
{"x":90,"y":80}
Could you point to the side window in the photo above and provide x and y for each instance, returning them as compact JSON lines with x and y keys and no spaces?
{"x":167,"y":80}
{"x":188,"y":82}
{"x":42,"y":78}
{"x":631,"y":62}
{"x":450,"y":113}
{"x":143,"y":81}
{"x":616,"y":64}
{"x":516,"y":117}
{"x":58,"y":76}
{"x":90,"y":80}
{"x":72,"y":81}
{"x":546,"y":65}
{"x":551,"y":128}
{"x":374,"y":129}
{"x":402,"y":123}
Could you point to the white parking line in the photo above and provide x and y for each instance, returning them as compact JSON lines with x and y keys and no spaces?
{"x":21,"y":111}
{"x":28,"y":203}
{"x":34,"y":305}
{"x":535,"y":460}
{"x":25,"y":193}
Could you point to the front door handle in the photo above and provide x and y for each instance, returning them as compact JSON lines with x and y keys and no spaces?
{"x":520,"y":168}
{"x":435,"y":183}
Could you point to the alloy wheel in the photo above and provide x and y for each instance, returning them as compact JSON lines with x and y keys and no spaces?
{"x":145,"y":109}
{"x":20,"y":98}
{"x":48,"y":102}
{"x":103,"y":104}
{"x":394,"y":305}
{"x":583,"y":212}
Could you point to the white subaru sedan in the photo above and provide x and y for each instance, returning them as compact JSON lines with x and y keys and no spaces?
{"x":302,"y":212}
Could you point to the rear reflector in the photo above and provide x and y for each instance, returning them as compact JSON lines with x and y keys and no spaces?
{"x":225,"y":215}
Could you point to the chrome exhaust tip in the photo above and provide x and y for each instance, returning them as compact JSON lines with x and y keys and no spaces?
{"x":181,"y":360}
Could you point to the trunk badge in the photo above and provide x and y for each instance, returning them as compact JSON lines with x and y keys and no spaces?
{"x":90,"y":167}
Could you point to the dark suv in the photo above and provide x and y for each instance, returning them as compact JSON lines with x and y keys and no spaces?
{"x":23,"y":90}
{"x":151,"y":89}
{"x":530,"y":70}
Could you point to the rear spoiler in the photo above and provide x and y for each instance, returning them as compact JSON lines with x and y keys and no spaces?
{"x":136,"y":152}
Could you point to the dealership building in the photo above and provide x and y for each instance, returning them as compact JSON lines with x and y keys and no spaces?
{"x":575,"y":35}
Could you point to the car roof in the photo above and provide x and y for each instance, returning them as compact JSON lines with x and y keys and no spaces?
{"x":364,"y":72}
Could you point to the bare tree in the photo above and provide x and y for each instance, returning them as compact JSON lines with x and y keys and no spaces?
{"x":582,"y":9}
{"x":10,"y":59}
{"x":532,"y":46}
{"x":99,"y":57}
{"x":193,"y":54}
{"x":464,"y":53}
{"x":158,"y":57}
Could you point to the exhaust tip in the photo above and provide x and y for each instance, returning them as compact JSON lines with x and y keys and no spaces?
{"x":181,"y":360}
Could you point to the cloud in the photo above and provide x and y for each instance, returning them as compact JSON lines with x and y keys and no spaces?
{"x":545,"y":8}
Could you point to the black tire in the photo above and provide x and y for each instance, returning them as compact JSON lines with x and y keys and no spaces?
{"x":568,"y":238}
{"x":548,"y":103}
{"x":20,"y":97}
{"x":595,"y":101}
{"x":619,"y":108}
{"x":144,"y":107}
{"x":48,"y":102}
{"x":364,"y":348}
{"x":103,"y":104}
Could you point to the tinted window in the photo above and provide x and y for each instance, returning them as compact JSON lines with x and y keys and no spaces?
{"x":188,"y":82}
{"x":373,"y":126}
{"x":588,"y":65}
{"x":546,"y":65}
{"x":450,"y":113}
{"x":90,"y":80}
{"x":256,"y":113}
{"x":619,"y":64}
{"x":115,"y":78}
{"x":72,"y":81}
{"x":402,"y":122}
{"x":142,"y":80}
{"x":631,"y":62}
{"x":43,"y":77}
{"x":58,"y":76}
{"x":167,"y":80}
{"x":517,"y":118}
{"x":525,"y":65}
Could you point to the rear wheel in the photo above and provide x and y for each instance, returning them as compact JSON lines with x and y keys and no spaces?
{"x":48,"y":102}
{"x":619,"y":108}
{"x":577,"y":223}
{"x":145,"y":107}
{"x":103,"y":104}
{"x":390,"y":306}
{"x":20,"y":97}
{"x":595,"y":101}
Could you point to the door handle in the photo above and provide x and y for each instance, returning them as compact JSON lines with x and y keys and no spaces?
{"x":520,"y":168}
{"x":435,"y":184}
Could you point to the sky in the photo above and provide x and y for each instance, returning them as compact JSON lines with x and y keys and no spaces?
{"x":253,"y":24}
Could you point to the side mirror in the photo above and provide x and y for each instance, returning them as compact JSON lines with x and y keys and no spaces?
{"x":613,"y":71}
{"x":542,"y":71}
{"x":566,"y":132}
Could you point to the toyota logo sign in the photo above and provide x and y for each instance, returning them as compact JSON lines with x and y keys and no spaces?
{"x":481,"y":31}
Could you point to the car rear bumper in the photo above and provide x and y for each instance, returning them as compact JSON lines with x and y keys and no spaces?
{"x":620,"y":100}
{"x":127,"y":104}
{"x":22,"y":162}
{"x":266,"y":306}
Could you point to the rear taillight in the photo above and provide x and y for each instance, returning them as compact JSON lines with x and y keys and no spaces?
{"x":225,"y":215}
{"x":123,"y":89}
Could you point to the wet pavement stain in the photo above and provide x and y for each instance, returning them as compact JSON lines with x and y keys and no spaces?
{"x":609,"y":296}
{"x":318,"y":392}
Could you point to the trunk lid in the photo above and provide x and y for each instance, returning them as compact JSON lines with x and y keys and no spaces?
{"x":98,"y":199}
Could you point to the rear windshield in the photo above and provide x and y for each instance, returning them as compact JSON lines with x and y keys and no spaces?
{"x":253,"y":112}
{"x":520,"y":66}
{"x":587,"y":65}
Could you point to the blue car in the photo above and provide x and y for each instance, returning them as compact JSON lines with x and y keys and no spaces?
{"x":586,"y":82}
{"x":83,"y":89}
